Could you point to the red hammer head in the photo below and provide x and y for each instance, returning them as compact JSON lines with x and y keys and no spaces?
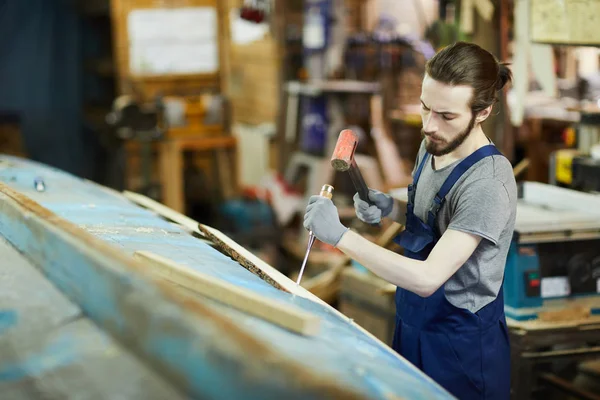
{"x":343,"y":154}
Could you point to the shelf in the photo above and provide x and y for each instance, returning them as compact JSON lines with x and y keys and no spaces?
{"x":315,"y":88}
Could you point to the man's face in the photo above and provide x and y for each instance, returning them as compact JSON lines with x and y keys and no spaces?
{"x":447,"y":117}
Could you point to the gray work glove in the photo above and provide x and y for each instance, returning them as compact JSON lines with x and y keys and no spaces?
{"x":323,"y":220}
{"x":373,"y":214}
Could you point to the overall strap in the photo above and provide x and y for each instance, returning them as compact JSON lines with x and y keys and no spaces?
{"x":457,"y":172}
{"x":420,"y":168}
{"x":412,"y":187}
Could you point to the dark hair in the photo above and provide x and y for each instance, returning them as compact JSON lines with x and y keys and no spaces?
{"x":468,"y":64}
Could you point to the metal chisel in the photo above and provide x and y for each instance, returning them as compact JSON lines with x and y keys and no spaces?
{"x":326,"y":191}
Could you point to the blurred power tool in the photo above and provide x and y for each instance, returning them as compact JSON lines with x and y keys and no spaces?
{"x":326,"y":191}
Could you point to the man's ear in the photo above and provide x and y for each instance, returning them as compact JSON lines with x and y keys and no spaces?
{"x":483,"y":114}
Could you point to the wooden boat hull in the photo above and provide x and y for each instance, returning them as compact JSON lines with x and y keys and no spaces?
{"x":82,"y":237}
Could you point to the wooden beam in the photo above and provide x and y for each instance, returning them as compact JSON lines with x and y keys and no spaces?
{"x":293,"y":319}
{"x":249,"y":261}
{"x":164,"y":211}
{"x":228,"y":246}
{"x":521,"y":167}
{"x":199,"y":351}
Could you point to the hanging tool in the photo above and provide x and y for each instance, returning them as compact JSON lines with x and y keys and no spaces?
{"x":326,"y":191}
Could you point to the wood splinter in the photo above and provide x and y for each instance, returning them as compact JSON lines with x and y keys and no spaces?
{"x":291,"y":318}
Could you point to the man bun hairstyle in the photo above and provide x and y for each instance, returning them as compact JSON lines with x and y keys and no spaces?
{"x":468,"y":64}
{"x":504,"y":76}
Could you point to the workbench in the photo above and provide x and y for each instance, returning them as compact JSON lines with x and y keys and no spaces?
{"x":83,"y":317}
{"x":551,"y":315}
{"x":535,"y":343}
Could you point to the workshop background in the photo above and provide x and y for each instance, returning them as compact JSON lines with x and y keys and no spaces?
{"x":228,"y":111}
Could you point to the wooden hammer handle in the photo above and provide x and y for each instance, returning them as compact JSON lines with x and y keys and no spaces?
{"x":359,"y":183}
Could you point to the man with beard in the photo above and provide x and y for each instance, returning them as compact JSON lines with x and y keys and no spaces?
{"x":459,"y":221}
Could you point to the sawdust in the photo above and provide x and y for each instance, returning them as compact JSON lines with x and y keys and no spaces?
{"x":99,"y":230}
{"x":145,"y":230}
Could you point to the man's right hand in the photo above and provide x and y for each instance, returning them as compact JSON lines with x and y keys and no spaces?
{"x":373,"y":214}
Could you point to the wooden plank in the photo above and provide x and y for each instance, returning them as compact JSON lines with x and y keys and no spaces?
{"x":293,"y":319}
{"x":589,"y":323}
{"x":200,"y":352}
{"x":521,"y":167}
{"x":164,"y":211}
{"x":250,"y":261}
{"x":48,"y":347}
{"x":231,"y":248}
{"x":562,"y":198}
{"x":234,"y":250}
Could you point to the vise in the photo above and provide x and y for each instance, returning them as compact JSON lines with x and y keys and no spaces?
{"x":554,"y":259}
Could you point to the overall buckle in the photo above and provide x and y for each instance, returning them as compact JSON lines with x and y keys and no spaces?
{"x":411,"y":193}
{"x":437,"y":204}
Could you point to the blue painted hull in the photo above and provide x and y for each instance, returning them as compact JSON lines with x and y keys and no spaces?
{"x":341,"y":352}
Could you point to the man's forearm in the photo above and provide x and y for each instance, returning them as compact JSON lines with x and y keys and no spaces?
{"x":409,"y":274}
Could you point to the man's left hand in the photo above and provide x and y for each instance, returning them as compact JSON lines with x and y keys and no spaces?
{"x":323,"y":220}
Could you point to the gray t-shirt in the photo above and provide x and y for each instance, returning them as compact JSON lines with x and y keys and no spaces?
{"x":482,"y":202}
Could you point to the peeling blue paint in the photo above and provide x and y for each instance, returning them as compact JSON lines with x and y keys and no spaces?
{"x":341,"y":350}
{"x":8,"y":318}
{"x":60,"y":353}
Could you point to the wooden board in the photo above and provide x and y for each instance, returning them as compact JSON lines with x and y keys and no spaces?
{"x":235,"y":251}
{"x":242,"y":299}
{"x":49,"y":349}
{"x":591,"y":322}
{"x":247,"y":259}
{"x":547,"y":213}
{"x":164,"y":211}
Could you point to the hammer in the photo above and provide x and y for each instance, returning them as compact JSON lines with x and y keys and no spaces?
{"x":343,"y":160}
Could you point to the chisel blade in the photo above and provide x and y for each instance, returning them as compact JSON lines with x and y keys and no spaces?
{"x":311,"y":240}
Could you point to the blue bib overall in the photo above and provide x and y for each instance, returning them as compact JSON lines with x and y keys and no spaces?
{"x":466,"y":353}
